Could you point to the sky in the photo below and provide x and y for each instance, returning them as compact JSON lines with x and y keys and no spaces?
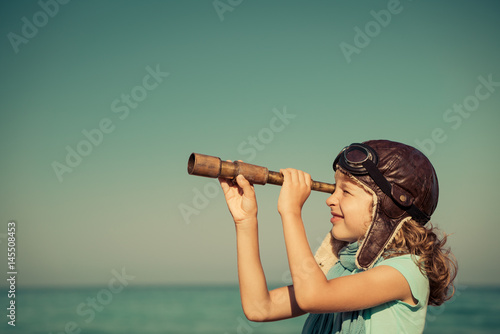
{"x":102,"y":102}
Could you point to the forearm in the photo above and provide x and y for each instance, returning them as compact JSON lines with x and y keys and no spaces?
{"x":260,"y":304}
{"x":254,"y":293}
{"x":307,"y":276}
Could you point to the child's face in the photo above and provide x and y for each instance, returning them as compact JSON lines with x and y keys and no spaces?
{"x":351,"y":208}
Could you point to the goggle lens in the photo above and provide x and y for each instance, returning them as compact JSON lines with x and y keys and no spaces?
{"x":352,"y":158}
{"x":356,"y":155}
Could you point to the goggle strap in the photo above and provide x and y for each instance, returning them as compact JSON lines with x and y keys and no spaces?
{"x":386,"y":188}
{"x":377,"y":176}
{"x":417,"y":214}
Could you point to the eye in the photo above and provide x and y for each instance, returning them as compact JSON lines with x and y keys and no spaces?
{"x":346,"y":192}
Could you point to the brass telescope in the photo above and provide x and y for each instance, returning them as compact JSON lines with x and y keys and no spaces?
{"x":210,"y":166}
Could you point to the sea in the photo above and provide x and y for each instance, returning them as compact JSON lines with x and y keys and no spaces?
{"x":201,"y":309}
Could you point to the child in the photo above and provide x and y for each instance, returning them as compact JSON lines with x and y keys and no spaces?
{"x":387,"y":266}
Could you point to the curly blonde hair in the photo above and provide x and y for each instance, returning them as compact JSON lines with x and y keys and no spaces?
{"x":435,"y":261}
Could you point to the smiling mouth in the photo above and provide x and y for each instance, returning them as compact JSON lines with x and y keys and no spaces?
{"x":336,"y":218}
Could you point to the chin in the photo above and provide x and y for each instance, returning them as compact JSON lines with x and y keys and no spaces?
{"x":335,"y":234}
{"x":342,"y":236}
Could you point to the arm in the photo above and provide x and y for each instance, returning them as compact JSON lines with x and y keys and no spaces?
{"x":314,"y":293}
{"x":259,"y":304}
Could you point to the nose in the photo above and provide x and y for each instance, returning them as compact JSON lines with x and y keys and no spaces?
{"x":332,"y":199}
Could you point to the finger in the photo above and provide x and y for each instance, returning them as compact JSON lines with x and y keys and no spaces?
{"x":231,"y":183}
{"x":286,"y":175}
{"x":294,"y":175}
{"x":304,"y":178}
{"x":244,"y":184}
{"x":308,"y":179}
{"x":300,"y":177}
{"x":224,"y":184}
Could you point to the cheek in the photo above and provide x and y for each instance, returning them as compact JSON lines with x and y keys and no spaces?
{"x":350,"y":208}
{"x":358,"y":211}
{"x":362,"y":223}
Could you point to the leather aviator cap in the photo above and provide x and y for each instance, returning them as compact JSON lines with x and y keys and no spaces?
{"x":412,"y":188}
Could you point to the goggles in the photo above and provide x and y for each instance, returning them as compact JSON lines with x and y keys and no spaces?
{"x":361,"y":159}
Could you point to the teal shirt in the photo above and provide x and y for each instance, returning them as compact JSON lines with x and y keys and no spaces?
{"x":397,"y":316}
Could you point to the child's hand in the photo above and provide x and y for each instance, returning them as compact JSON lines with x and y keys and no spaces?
{"x":294,"y":192}
{"x":240,"y":199}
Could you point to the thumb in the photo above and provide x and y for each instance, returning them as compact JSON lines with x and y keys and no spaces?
{"x":244,"y":184}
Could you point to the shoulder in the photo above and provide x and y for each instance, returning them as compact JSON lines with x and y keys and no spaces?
{"x":408,"y":266}
{"x":401,"y":316}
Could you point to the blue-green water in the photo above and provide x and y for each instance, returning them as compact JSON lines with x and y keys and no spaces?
{"x":184,"y":309}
